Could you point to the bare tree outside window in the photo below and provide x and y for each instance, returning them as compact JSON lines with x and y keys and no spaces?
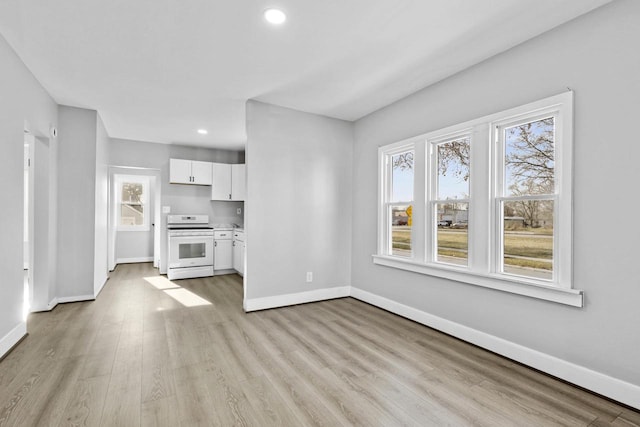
{"x":529,"y":162}
{"x":451,"y":206}
{"x":132,"y":203}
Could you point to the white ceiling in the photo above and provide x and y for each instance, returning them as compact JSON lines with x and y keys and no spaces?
{"x":158,"y":70}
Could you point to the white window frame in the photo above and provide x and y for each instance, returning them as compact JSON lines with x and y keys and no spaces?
{"x":385,"y":205}
{"x":433,"y":199}
{"x":485,"y":219}
{"x":144,"y":180}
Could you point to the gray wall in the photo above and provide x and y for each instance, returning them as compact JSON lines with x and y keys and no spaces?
{"x":22,"y":98}
{"x":597,"y":56}
{"x":298,"y":202}
{"x":195,"y":199}
{"x":76,"y":202}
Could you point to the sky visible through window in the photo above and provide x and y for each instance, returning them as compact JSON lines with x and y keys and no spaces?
{"x":529,"y":158}
{"x":402,"y":177}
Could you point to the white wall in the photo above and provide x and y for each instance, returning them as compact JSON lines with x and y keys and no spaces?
{"x":298,"y":203}
{"x":597,"y":56}
{"x":100,"y":267}
{"x":22,"y":98}
{"x":76,"y":202}
{"x":43,"y":267}
{"x":195,"y":199}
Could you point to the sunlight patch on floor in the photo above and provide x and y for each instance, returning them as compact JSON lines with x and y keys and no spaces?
{"x":177,"y":292}
{"x":161,"y":283}
{"x":186,"y":297}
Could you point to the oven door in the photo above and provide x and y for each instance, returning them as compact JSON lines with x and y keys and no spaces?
{"x":190,"y":251}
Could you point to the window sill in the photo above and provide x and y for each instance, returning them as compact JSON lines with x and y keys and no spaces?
{"x":572,"y":297}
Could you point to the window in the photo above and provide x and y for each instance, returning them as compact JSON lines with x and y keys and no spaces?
{"x":450,"y":200}
{"x":486,"y":202}
{"x":398,"y":167}
{"x":133,"y":202}
{"x":526,"y":197}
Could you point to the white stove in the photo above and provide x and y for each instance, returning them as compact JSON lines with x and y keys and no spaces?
{"x":190,"y":246}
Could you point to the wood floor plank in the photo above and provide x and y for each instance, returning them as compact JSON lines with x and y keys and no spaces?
{"x":159,"y":413}
{"x":136,"y":356}
{"x":86,"y":404}
{"x":270,"y":408}
{"x":123,"y":403}
{"x":335,"y":393}
{"x":157,"y":383}
{"x":195,"y":406}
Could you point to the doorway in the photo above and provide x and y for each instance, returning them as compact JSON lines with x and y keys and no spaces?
{"x":134,"y":211}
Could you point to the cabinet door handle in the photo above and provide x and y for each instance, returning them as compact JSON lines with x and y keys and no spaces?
{"x":215,"y":243}
{"x":229,"y":196}
{"x":234,"y":243}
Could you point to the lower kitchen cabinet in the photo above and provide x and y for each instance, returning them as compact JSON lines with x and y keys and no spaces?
{"x":238,"y":251}
{"x":238,"y":257}
{"x":223,"y":250}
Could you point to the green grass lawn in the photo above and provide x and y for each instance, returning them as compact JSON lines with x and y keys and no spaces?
{"x":525,"y":243}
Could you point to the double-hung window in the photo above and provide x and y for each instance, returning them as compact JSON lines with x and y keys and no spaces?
{"x":449,"y":201}
{"x":398,"y":171}
{"x":492,"y":201}
{"x":132,"y":194}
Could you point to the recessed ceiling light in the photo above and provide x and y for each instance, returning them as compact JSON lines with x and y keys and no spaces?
{"x":202,"y":131}
{"x":275,"y":16}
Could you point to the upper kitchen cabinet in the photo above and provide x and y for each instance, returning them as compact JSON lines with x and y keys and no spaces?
{"x":189,"y":172}
{"x":238,"y":182}
{"x":229,"y":182}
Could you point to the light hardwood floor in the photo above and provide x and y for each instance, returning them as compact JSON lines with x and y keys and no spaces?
{"x":137,"y":356}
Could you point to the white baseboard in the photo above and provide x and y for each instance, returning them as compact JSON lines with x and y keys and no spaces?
{"x":50,"y":306}
{"x":12,"y":338}
{"x":597,"y":382}
{"x":62,"y":300}
{"x":134,"y":260}
{"x":255,"y":304}
{"x":100,"y":288}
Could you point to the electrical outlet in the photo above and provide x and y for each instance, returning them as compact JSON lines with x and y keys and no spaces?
{"x":239,"y":211}
{"x":309,"y":276}
{"x":166,"y":209}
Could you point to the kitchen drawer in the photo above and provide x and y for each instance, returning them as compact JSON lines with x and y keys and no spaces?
{"x":238,"y":236}
{"x":222,"y":234}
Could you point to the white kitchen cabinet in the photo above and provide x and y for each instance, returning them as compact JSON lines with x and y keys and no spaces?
{"x":229,"y":182}
{"x":221,"y":185}
{"x":238,"y":182}
{"x":223,"y":250}
{"x":189,"y":172}
{"x":238,"y":252}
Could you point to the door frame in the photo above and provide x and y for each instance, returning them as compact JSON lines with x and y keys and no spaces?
{"x":156,"y":187}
